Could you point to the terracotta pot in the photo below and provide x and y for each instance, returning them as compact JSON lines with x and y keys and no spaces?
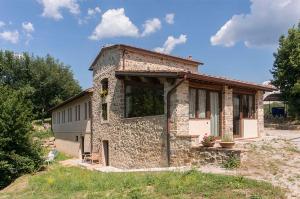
{"x":227,"y":145}
{"x":210,"y":144}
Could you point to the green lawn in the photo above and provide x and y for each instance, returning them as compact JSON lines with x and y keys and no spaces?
{"x":70,"y":182}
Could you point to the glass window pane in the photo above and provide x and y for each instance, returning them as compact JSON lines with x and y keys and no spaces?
{"x":192,"y":102}
{"x":251,"y":107}
{"x":202,"y":103}
{"x":144,"y":100}
{"x":104,"y":111}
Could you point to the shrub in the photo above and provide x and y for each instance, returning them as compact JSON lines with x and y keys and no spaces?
{"x":232,"y":162}
{"x":18,"y":153}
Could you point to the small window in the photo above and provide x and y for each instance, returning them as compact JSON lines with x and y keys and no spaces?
{"x":104,"y":111}
{"x":58,"y":118}
{"x":71,"y":114}
{"x":104,"y":87}
{"x":78,"y":111}
{"x":63,"y":116}
{"x":76,"y":138}
{"x":85,"y":110}
{"x":90,"y":109}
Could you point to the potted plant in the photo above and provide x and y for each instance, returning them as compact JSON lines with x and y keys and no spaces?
{"x":227,"y":141}
{"x":208,"y":140}
{"x":103,"y":93}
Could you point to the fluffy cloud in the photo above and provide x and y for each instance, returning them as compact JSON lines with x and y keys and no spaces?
{"x":114,"y":23}
{"x":93,"y":12}
{"x":151,"y":26}
{"x":171,"y":43}
{"x":11,"y":36}
{"x":28,"y":27}
{"x":2,"y":24}
{"x":169,"y":18}
{"x":267,"y":20}
{"x":52,"y":8}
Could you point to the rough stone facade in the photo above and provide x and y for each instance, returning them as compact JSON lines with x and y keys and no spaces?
{"x":142,"y":141}
{"x":259,"y":107}
{"x":227,"y":107}
{"x":135,"y":62}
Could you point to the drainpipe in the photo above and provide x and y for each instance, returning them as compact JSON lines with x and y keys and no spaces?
{"x":169,"y":115}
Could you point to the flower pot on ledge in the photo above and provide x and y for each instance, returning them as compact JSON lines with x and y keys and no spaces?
{"x":227,"y":145}
{"x":210,"y":144}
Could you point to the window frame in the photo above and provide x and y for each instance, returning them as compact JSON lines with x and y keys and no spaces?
{"x":148,"y":84}
{"x":207,"y":103}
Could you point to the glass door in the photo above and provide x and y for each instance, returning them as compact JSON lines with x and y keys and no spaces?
{"x":236,"y":115}
{"x":215,"y":113}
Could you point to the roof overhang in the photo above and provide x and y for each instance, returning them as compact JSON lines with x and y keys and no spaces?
{"x":79,"y":95}
{"x":196,"y":77}
{"x":146,"y":52}
{"x":274,"y":97}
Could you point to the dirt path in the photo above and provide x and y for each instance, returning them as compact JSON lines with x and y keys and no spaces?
{"x":275,"y":158}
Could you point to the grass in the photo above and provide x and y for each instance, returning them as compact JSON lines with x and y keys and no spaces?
{"x":70,"y":182}
{"x":42,"y":134}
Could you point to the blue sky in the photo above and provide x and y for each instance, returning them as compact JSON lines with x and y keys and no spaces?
{"x":234,"y":38}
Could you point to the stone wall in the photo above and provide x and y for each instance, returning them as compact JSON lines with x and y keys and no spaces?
{"x":184,"y":154}
{"x":227,"y":107}
{"x":133,"y":142}
{"x":259,"y":107}
{"x":135,"y":61}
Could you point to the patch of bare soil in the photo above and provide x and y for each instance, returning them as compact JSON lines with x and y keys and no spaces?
{"x":275,"y":158}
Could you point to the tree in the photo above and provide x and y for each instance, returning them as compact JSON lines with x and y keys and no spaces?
{"x":50,"y":80}
{"x":18,"y":153}
{"x":286,"y":69}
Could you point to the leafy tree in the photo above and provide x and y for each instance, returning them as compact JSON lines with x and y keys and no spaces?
{"x":50,"y":80}
{"x":286,"y":69}
{"x":18,"y":153}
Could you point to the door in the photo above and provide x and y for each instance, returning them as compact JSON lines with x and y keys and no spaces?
{"x":214,"y":113}
{"x":82,"y":146}
{"x":106,"y":152}
{"x":236,"y":115}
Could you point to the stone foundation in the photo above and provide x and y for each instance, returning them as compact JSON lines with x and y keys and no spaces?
{"x":184,"y":153}
{"x":213,"y":155}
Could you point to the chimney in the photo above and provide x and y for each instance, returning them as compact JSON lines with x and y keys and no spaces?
{"x":190,"y":57}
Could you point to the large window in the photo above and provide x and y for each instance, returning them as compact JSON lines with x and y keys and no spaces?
{"x":143,"y":99}
{"x":198,"y":103}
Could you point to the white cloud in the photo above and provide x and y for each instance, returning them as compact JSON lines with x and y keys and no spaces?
{"x":170,"y":44}
{"x":114,"y":23}
{"x":93,"y":12}
{"x":169,"y":18}
{"x":28,"y":26}
{"x":11,"y":36}
{"x":267,"y":20}
{"x":52,"y":8}
{"x":151,"y":26}
{"x":2,"y":24}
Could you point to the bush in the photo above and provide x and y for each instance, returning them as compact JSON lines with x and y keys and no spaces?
{"x":18,"y":153}
{"x":232,"y":162}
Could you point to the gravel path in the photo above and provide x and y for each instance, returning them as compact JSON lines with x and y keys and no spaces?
{"x":274,"y":158}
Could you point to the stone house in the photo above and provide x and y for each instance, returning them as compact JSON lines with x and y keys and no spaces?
{"x":150,"y":109}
